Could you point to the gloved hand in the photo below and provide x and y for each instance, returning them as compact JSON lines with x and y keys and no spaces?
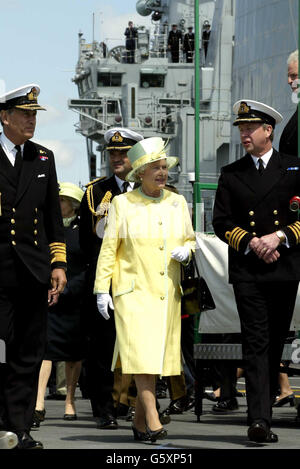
{"x":103,"y":301}
{"x":180,"y":254}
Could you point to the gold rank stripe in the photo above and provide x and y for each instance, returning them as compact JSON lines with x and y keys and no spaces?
{"x":58,"y":252}
{"x":235,"y":237}
{"x":295,"y":227}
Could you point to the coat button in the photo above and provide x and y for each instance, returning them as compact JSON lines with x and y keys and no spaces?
{"x":162,"y":297}
{"x":36,"y":243}
{"x":275,"y":212}
{"x":251,"y":213}
{"x":252,"y":223}
{"x":13,"y":232}
{"x":160,"y":222}
{"x":13,"y":221}
{"x":254,"y":234}
{"x":36,"y":210}
{"x":161,"y":248}
{"x":35,"y":232}
{"x":162,"y":272}
{"x":13,"y":243}
{"x":14,"y":210}
{"x":35,"y":221}
{"x":276,"y":222}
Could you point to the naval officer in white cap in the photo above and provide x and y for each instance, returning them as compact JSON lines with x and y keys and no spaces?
{"x":252,"y":215}
{"x":33,"y":257}
{"x":93,"y":212}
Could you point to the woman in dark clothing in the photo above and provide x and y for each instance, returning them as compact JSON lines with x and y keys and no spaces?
{"x":65,"y":337}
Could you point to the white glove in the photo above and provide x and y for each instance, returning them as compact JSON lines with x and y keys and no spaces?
{"x":181,"y":253}
{"x":103,"y":301}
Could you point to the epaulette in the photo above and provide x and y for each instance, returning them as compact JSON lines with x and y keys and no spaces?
{"x":94,"y":181}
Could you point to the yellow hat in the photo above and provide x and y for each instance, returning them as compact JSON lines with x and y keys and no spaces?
{"x":68,"y":189}
{"x":146,"y":151}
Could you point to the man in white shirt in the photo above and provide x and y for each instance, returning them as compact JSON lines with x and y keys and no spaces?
{"x":252,"y":215}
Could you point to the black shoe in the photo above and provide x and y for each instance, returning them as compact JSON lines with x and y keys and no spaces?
{"x":130,"y":414}
{"x":140,"y":436}
{"x":272,"y":437}
{"x":210,"y":396}
{"x":70,"y":417}
{"x":285,"y":400}
{"x":161,"y":394}
{"x":25,"y":441}
{"x":177,"y":406}
{"x":225,"y":406}
{"x":160,"y":434}
{"x":107,"y":422}
{"x":258,"y":432}
{"x":40,"y":415}
{"x":35,"y":423}
{"x":190,"y":403}
{"x":164,"y":418}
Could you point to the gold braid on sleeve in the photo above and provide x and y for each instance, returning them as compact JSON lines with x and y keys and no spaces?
{"x":58,"y":252}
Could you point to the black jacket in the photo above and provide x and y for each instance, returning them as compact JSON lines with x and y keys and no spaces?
{"x":30,"y":217}
{"x":288,"y":143}
{"x":249,"y":205}
{"x":90,"y":243}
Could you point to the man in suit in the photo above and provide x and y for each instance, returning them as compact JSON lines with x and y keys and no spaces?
{"x":101,"y":333}
{"x":33,"y":258}
{"x":174,"y":43}
{"x":289,"y":138}
{"x":252,"y":215}
{"x":189,"y":45}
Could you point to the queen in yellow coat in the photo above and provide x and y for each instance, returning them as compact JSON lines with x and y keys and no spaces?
{"x":148,"y":234}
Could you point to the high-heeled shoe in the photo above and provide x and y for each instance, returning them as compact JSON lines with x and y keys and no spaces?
{"x":290,"y":399}
{"x":70,"y":417}
{"x":159,"y":434}
{"x":139,"y":436}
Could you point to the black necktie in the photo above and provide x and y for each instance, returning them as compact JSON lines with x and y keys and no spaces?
{"x":124,"y":188}
{"x":18,"y":160}
{"x":261,"y":167}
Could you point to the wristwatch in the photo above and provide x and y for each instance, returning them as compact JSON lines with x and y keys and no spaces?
{"x":281,"y":236}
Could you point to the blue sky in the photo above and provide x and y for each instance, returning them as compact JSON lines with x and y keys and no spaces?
{"x":39,"y":44}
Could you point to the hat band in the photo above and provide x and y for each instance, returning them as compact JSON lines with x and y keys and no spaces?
{"x":148,"y":158}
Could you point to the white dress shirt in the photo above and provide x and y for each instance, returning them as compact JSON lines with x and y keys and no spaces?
{"x":9,"y":148}
{"x":120,"y":183}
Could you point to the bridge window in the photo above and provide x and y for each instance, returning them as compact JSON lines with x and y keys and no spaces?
{"x":152,"y":80}
{"x":109,"y":79}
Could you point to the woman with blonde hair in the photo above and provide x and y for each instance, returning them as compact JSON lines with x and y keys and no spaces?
{"x":147,"y":235}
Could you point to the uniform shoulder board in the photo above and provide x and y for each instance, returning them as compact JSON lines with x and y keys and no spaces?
{"x":94,"y":181}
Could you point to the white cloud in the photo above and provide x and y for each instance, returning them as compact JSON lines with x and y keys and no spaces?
{"x":51,"y":114}
{"x":113,"y":27}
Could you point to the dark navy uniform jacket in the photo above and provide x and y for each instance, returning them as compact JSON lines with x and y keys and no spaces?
{"x":249,"y":205}
{"x":31,"y":228}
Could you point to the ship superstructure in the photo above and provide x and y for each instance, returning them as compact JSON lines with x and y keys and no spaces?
{"x":245,"y":56}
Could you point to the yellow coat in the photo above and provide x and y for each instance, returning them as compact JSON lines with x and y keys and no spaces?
{"x":141,"y":232}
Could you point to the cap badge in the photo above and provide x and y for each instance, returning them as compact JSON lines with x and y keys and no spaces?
{"x":117,"y":137}
{"x":32,"y":95}
{"x":244,"y":108}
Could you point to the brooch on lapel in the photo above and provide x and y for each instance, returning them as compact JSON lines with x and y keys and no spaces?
{"x":293,"y":168}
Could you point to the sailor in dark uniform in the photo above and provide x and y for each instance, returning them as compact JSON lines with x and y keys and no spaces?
{"x":189,"y":45}
{"x":131,"y":34}
{"x":33,"y":256}
{"x":174,"y":42}
{"x":252,"y":215}
{"x":101,"y":333}
{"x":289,"y":138}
